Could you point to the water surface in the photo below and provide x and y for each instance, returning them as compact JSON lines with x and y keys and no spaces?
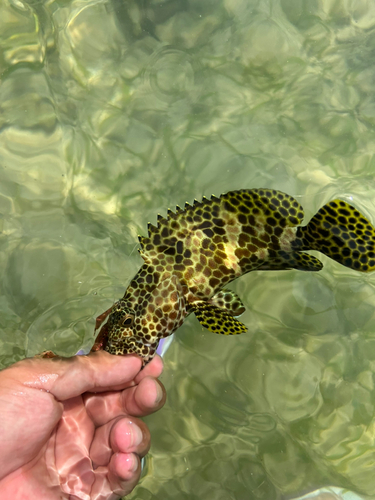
{"x":113,"y":111}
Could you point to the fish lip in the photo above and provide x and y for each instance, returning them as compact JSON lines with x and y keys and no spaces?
{"x":133,"y":339}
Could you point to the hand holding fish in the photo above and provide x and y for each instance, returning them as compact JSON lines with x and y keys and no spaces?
{"x":69,"y":427}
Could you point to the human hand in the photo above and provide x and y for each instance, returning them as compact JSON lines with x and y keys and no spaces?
{"x":69,"y":427}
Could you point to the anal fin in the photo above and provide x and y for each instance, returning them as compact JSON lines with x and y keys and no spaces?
{"x":217,"y":320}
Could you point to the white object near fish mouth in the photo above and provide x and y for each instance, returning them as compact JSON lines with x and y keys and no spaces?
{"x":164,"y":345}
{"x":82,"y":352}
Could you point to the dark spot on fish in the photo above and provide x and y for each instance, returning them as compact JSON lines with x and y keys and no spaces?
{"x":242,"y":219}
{"x":244,"y":209}
{"x":218,"y":222}
{"x":342,"y":211}
{"x":229,"y":207}
{"x":248,"y":230}
{"x":219,"y":230}
{"x":329,"y":210}
{"x":206,"y":243}
{"x":208,"y":232}
{"x":283,"y":212}
{"x":214,"y":282}
{"x":271,"y":221}
{"x":258,"y":243}
{"x":204,"y":225}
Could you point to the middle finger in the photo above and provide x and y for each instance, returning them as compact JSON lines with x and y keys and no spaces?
{"x":124,"y":435}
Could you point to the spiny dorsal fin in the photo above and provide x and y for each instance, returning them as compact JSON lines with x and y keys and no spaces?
{"x":162,"y":220}
{"x":151,"y":228}
{"x":141,"y":240}
{"x":167,"y":227}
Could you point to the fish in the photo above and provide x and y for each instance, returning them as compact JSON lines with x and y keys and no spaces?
{"x":193,"y":253}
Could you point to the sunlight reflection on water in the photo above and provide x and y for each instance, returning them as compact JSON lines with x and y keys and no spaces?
{"x":114,"y":111}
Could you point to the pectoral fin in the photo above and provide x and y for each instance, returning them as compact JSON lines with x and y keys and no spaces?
{"x":229,"y":301}
{"x":167,"y":299}
{"x":217,"y":320}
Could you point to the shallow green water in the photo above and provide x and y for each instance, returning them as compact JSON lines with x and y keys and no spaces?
{"x":113,"y":111}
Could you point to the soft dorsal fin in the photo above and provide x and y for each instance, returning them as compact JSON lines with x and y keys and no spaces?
{"x":269,"y":201}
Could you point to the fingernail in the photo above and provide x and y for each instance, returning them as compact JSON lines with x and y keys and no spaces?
{"x":137,"y":435}
{"x":133,"y":463}
{"x":159,"y":394}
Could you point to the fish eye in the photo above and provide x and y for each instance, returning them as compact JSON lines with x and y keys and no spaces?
{"x":128,"y":320}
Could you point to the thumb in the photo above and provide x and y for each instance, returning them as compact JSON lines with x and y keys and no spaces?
{"x":66,"y":378}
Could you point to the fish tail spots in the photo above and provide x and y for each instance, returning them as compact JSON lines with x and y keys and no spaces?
{"x":342,"y":233}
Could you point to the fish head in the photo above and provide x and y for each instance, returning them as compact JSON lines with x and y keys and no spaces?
{"x":137,"y":329}
{"x":121,"y":320}
{"x":120,"y":332}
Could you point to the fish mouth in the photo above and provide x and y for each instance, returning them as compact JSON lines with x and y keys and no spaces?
{"x":128,"y":340}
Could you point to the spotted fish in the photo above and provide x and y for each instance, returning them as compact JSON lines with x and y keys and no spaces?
{"x":193,"y":253}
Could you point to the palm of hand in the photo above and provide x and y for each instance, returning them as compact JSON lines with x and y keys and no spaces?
{"x":62,"y":439}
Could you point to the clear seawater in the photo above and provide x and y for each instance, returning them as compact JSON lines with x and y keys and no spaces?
{"x":112,"y":111}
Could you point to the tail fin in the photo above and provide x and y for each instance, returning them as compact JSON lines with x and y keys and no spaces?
{"x":342,"y":233}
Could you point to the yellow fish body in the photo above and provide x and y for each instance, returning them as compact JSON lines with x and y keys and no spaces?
{"x":193,"y":253}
